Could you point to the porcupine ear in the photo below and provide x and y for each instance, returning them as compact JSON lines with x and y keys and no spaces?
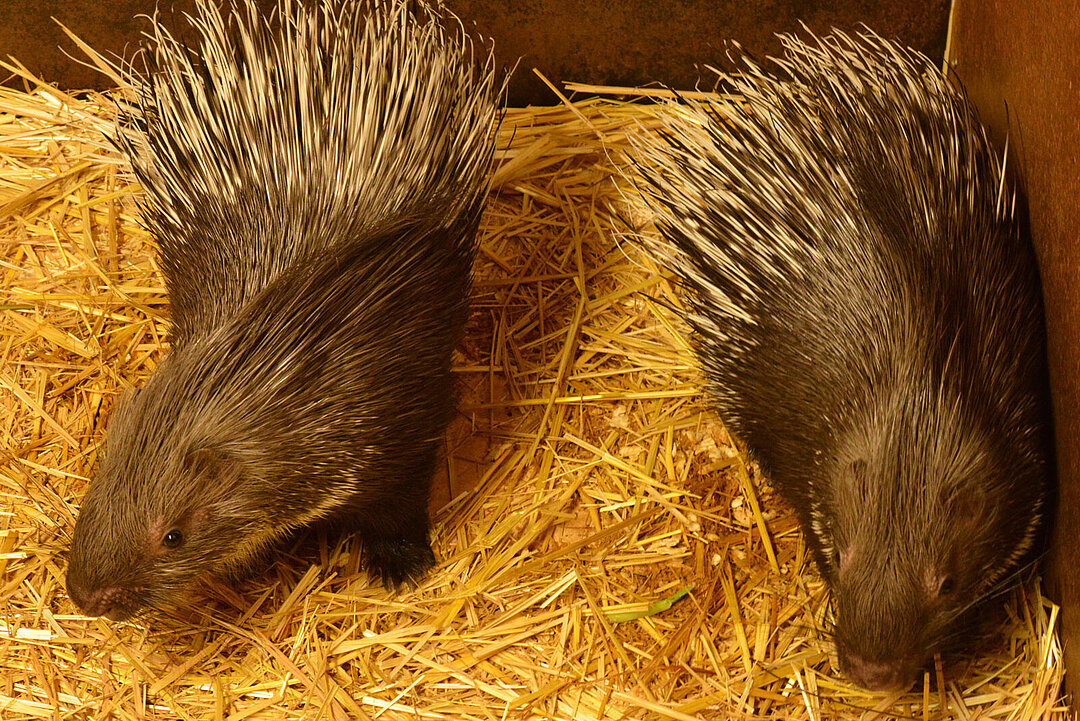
{"x":218,"y":469}
{"x":858,"y":470}
{"x":964,"y":497}
{"x":853,"y":474}
{"x":966,"y":503}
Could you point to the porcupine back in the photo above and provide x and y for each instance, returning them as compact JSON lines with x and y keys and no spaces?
{"x":868,"y":316}
{"x":255,"y":152}
{"x":314,"y":182}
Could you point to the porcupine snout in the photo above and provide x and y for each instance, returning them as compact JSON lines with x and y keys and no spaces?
{"x":108,"y":602}
{"x":890,"y":674}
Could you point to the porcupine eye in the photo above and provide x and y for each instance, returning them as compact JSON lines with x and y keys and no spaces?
{"x":948,"y":585}
{"x":173,"y":539}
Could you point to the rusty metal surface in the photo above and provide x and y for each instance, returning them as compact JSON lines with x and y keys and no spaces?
{"x":595,"y":41}
{"x":1022,"y":56}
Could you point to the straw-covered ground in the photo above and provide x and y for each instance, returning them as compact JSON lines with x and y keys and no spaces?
{"x":604,"y":551}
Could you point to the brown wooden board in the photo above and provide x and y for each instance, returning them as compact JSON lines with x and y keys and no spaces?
{"x":1020,"y":63}
{"x":612,"y":42}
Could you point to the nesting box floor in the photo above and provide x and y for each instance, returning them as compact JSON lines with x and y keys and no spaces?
{"x":605,"y":551}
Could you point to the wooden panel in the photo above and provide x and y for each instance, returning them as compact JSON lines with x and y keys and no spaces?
{"x":1020,"y":56}
{"x":595,"y":41}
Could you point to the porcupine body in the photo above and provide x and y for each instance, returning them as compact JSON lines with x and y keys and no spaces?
{"x":868,"y":315}
{"x":314,"y":181}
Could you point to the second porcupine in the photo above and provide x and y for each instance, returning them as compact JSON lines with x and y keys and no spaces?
{"x":314,"y":183}
{"x":868,"y":315}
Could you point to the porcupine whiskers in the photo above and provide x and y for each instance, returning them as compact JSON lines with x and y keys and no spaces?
{"x":314,"y":180}
{"x":867,"y":312}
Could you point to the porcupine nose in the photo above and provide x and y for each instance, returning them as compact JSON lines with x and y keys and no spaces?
{"x":97,"y":601}
{"x":893,"y":675}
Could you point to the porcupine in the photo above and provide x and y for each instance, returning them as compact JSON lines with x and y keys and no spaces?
{"x":314,"y":180}
{"x":867,"y":312}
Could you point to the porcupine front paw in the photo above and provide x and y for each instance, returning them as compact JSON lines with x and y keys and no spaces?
{"x":399,"y":562}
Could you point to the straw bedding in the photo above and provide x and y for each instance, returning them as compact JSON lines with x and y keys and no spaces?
{"x":605,"y":550}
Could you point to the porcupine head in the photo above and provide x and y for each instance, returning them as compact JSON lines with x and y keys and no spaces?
{"x":316,"y":216}
{"x":167,"y":504}
{"x":914,"y":520}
